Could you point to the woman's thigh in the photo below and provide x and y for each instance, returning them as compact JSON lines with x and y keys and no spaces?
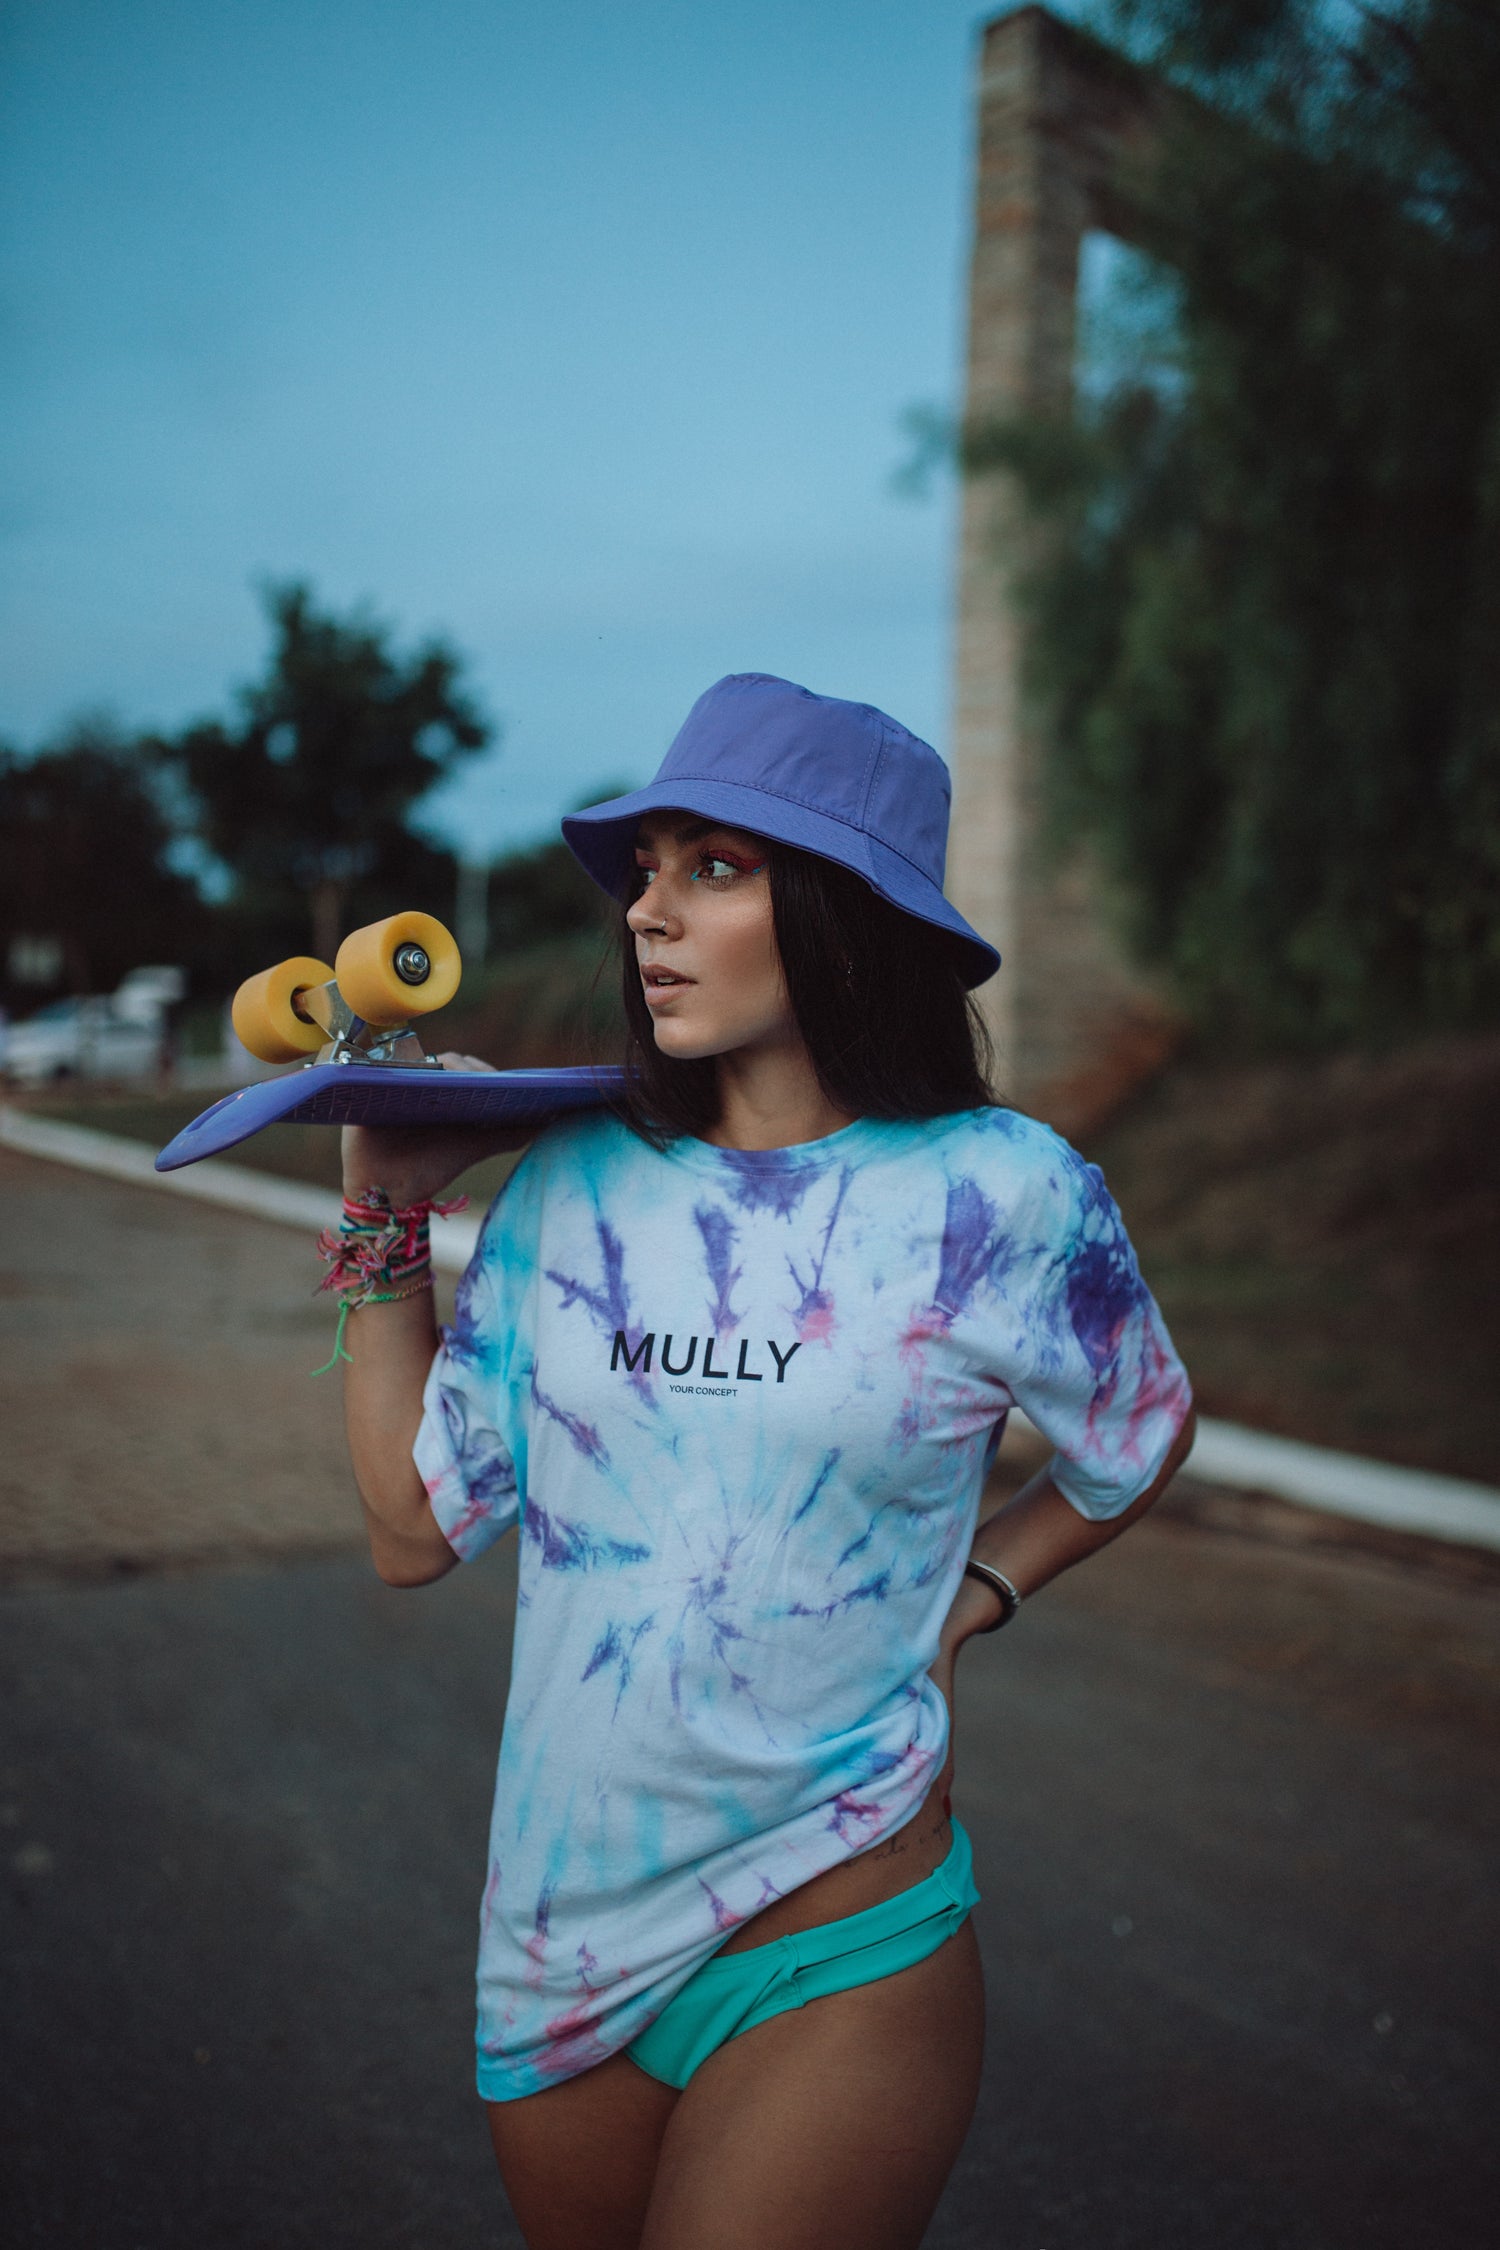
{"x":579,"y":2161}
{"x":832,"y":2127}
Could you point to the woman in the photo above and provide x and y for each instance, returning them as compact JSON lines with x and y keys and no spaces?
{"x":737,"y":1363}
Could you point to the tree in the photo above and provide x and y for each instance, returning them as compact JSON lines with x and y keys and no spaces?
{"x":85,"y":863}
{"x":307,"y":800}
{"x":1267,"y":617}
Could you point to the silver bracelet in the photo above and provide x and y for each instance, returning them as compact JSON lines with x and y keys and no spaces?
{"x":998,"y":1583}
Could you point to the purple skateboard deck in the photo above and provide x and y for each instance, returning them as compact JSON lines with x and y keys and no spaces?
{"x":387,"y":1094}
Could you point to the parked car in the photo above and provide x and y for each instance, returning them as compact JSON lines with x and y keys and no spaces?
{"x":119,"y":1036}
{"x":145,"y":995}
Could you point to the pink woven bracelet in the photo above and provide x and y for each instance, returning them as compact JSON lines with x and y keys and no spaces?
{"x":377,"y":1254}
{"x":377,"y":1245}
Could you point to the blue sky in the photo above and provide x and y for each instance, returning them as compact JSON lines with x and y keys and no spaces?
{"x":579,"y":333}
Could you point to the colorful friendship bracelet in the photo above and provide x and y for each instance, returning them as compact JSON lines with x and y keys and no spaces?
{"x":377,"y":1255}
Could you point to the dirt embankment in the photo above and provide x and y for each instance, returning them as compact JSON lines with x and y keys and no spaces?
{"x":1324,"y":1237}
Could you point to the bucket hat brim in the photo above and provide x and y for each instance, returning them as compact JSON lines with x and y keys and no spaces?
{"x":602,"y":839}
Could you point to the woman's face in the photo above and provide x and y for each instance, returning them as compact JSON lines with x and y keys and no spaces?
{"x":705,"y":940}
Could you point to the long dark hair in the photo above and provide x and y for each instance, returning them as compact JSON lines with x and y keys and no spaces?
{"x":879,"y":999}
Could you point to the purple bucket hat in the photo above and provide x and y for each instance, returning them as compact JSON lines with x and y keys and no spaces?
{"x":837,"y":779}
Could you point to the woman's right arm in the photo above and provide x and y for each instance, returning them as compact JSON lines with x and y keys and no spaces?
{"x":390,"y":1348}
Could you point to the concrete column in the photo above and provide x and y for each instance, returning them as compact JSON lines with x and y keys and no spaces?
{"x":1057,"y":115}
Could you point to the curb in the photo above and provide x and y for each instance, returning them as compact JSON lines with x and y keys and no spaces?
{"x":1312,"y":1476}
{"x":1346,"y":1484}
{"x":233,"y":1187}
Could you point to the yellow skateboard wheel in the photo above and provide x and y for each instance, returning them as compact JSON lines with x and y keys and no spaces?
{"x":402,"y":967}
{"x":265,"y":1014}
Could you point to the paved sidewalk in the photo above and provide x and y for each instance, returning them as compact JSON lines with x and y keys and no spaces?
{"x":154,"y":1359}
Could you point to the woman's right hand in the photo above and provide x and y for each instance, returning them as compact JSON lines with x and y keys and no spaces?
{"x":415,"y":1163}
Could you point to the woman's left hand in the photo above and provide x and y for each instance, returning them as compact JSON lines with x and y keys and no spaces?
{"x":941,"y":1674}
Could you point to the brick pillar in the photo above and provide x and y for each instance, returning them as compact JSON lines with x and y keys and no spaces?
{"x":1073,"y":1021}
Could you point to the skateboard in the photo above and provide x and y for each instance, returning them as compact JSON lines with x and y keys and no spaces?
{"x":350,"y":1027}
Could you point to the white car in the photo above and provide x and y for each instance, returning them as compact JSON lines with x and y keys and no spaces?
{"x":117,"y":1037}
{"x":144,"y":995}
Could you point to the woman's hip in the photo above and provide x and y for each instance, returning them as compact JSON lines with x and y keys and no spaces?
{"x":736,"y":1990}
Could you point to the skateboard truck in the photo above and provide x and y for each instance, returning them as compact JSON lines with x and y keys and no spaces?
{"x":351,"y":1039}
{"x":360,"y":1010}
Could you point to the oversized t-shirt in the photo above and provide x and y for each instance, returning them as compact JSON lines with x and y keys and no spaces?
{"x":741,"y":1404}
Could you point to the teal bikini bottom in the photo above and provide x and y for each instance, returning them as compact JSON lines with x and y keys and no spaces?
{"x":733,"y":1992}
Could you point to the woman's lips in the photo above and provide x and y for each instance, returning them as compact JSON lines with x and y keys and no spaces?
{"x":659,"y":985}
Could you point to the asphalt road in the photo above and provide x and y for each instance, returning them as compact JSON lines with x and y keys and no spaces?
{"x":1231,"y":1800}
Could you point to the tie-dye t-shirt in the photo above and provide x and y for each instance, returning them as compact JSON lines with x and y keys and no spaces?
{"x":741,"y":1404}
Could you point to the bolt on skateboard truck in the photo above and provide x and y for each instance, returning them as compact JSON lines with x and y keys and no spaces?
{"x":360,"y":1010}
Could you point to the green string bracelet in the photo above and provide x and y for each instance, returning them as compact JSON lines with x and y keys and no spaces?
{"x":348,"y":1305}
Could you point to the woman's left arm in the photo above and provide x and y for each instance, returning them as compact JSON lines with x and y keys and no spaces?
{"x":1029,"y":1541}
{"x":1034,"y":1537}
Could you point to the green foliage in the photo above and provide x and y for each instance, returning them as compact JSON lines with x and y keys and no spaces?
{"x":308,"y":798}
{"x":541,"y":894}
{"x":85,"y":860}
{"x":1267,"y":609}
{"x":553,"y":1002}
